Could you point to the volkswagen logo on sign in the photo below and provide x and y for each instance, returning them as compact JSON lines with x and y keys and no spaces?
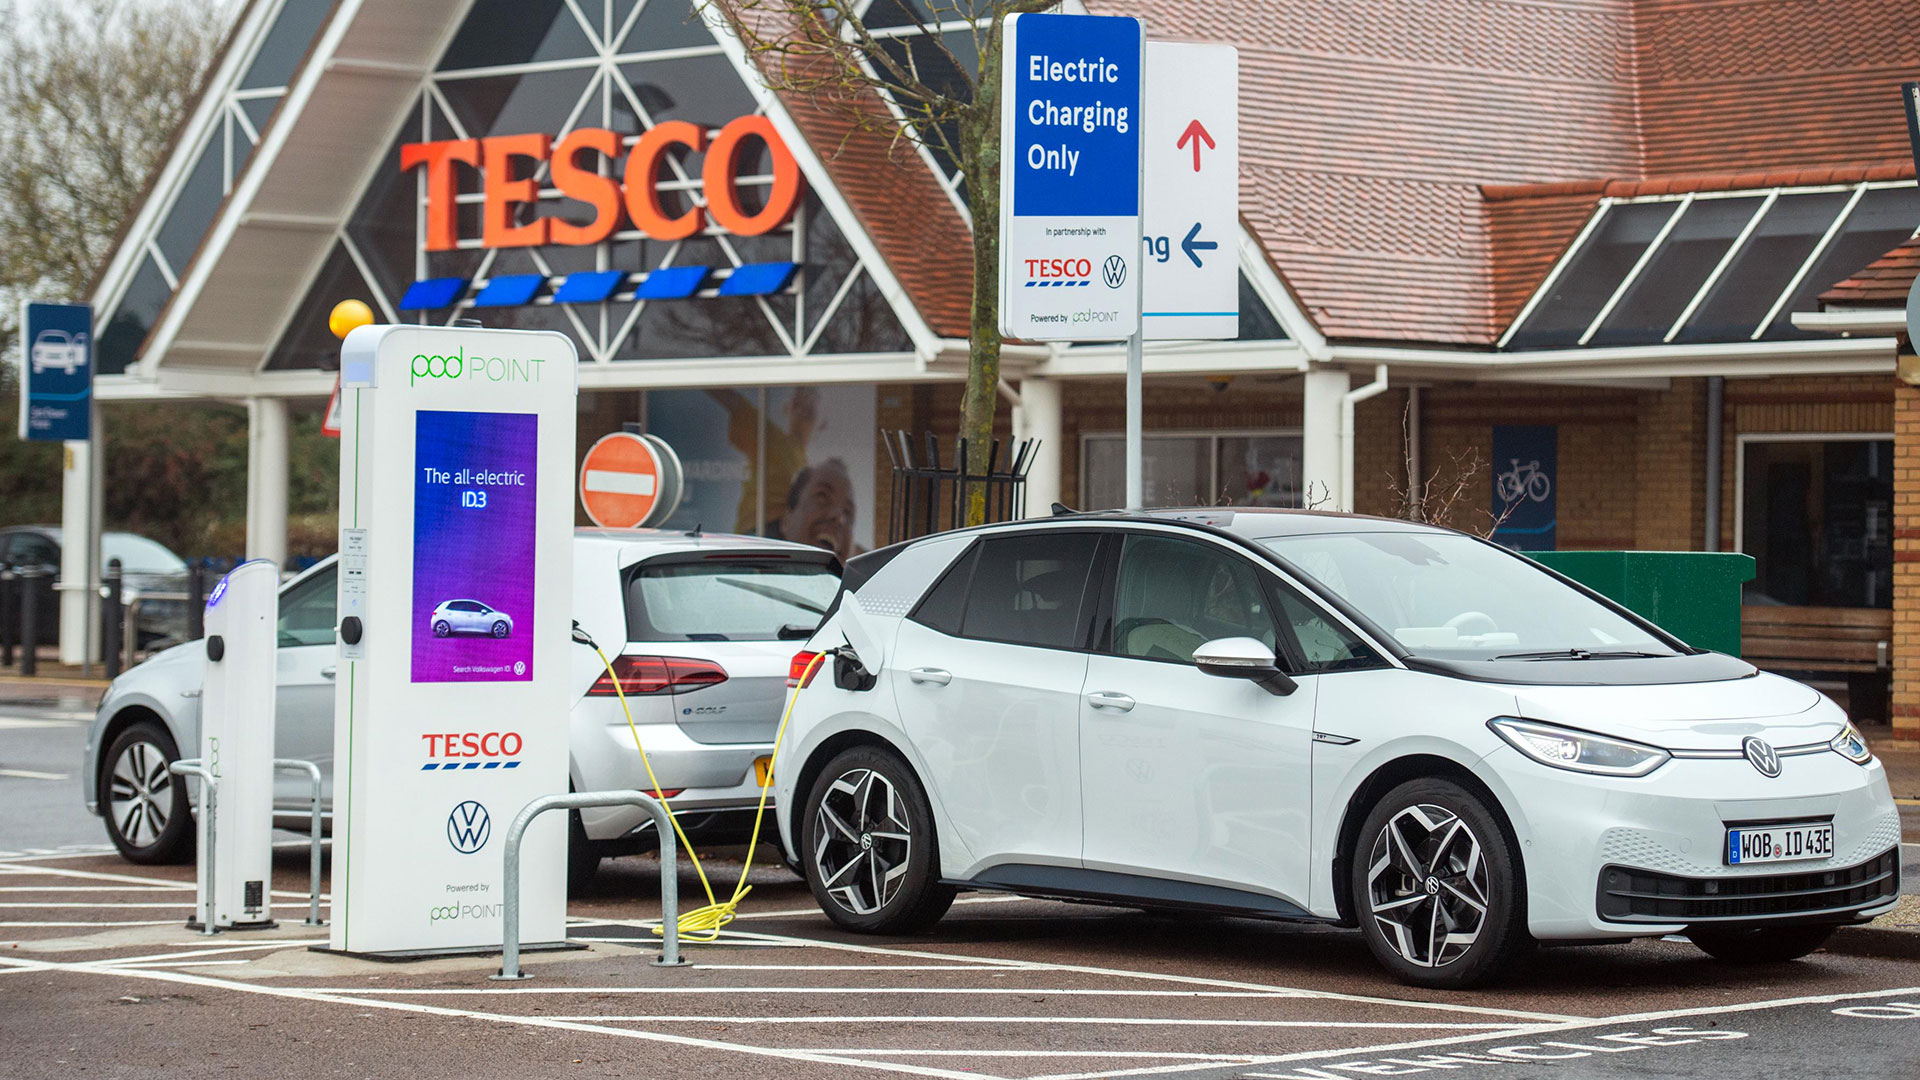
{"x":1761,"y":755}
{"x":468,"y":827}
{"x":1114,"y":272}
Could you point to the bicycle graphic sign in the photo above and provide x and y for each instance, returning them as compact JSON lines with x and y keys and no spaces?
{"x":1525,"y":473}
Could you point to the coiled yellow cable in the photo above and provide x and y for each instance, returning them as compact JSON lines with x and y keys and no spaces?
{"x":704,"y":923}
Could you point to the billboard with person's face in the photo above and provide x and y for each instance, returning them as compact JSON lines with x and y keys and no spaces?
{"x":789,"y":462}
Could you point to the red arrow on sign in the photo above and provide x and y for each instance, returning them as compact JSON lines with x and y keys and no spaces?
{"x":1195,"y":134}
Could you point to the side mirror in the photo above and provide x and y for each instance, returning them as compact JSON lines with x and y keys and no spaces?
{"x":1244,"y":658}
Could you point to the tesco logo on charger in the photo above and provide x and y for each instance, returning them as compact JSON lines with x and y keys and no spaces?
{"x":472,"y":750}
{"x":1059,"y":273}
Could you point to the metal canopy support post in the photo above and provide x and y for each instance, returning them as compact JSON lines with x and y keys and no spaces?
{"x":669,"y":872}
{"x":210,"y":792}
{"x":313,"y":842}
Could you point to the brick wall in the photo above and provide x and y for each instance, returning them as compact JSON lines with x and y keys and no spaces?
{"x":1905,"y":409}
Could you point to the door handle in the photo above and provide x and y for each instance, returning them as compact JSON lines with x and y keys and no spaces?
{"x":1107,"y":699}
{"x":327,"y":672}
{"x":930,"y":676}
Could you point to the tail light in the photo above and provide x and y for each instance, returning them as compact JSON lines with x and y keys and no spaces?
{"x":665,"y":794}
{"x":642,"y":675}
{"x":797,"y":673}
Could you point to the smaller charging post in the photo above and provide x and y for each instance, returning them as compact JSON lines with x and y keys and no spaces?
{"x":236,"y":745}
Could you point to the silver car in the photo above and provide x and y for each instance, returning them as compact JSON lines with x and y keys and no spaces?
{"x":700,"y":633}
{"x":468,"y":617}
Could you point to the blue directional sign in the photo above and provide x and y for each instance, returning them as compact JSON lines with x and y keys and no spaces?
{"x":56,"y":371}
{"x":1070,"y":177}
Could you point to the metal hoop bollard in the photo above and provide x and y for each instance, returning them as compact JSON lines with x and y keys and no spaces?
{"x":210,"y":789}
{"x":313,"y":880}
{"x":669,"y":872}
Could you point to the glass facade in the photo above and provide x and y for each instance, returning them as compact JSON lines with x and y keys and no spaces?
{"x":1225,"y":468}
{"x":1713,"y":267}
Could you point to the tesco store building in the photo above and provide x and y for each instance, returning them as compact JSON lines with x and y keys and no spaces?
{"x":1617,"y":265}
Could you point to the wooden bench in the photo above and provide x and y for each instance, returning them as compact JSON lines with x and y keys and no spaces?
{"x":1855,"y":643}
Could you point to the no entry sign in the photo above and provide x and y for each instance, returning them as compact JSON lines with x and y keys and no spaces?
{"x":628,"y":481}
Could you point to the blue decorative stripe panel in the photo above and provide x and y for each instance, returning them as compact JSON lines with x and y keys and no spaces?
{"x":433,"y":293}
{"x":596,"y":286}
{"x":758,"y":279}
{"x":511,"y":290}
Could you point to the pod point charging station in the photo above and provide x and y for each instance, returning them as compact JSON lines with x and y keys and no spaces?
{"x":236,"y":749}
{"x":456,"y":581}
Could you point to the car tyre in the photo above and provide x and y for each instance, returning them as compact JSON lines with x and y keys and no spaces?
{"x":1438,"y":888}
{"x":442,"y":628}
{"x":144,"y":806}
{"x":499,"y":629}
{"x":868,"y":847}
{"x":1759,"y":944}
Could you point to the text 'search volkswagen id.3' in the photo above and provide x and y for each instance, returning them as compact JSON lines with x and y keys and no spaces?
{"x":1310,"y":716}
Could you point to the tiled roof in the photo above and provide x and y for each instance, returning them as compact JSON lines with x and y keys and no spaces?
{"x":1881,"y":283}
{"x":1413,"y":169}
{"x":920,"y":234}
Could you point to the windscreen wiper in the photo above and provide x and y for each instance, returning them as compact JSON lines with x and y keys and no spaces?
{"x":771,"y":592}
{"x":1580,"y":654}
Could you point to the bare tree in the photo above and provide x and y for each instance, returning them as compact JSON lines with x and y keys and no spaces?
{"x":1450,"y":495}
{"x":828,"y":52}
{"x":91,"y":93}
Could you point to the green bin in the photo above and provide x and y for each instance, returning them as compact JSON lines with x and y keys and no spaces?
{"x":1693,"y":595}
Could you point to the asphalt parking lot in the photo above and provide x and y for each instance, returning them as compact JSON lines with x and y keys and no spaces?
{"x":99,"y":976}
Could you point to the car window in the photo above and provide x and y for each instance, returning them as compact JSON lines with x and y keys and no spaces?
{"x":1452,"y":597}
{"x":1028,"y":589}
{"x":1175,"y":595}
{"x":32,"y":549}
{"x":307,"y":610}
{"x":1324,"y":644}
{"x":727,"y":599}
{"x":946,"y":603}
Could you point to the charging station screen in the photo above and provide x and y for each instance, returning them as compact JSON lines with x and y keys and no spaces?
{"x":473,"y":529}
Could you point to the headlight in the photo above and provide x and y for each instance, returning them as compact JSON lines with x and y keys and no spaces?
{"x":1580,"y":751}
{"x":1848,"y":744}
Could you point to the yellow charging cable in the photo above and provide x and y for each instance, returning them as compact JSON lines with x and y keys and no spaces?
{"x":704,"y":923}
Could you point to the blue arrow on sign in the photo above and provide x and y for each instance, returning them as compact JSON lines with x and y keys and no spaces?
{"x":1191,"y":246}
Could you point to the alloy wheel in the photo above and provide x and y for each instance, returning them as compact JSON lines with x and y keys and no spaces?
{"x":863,"y":841}
{"x":1427,"y":885}
{"x":140,"y":794}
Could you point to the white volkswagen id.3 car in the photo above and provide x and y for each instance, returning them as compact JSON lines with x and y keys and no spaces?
{"x":1310,"y":716}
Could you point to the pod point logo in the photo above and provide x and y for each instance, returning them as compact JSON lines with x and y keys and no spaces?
{"x":468,"y":827}
{"x":457,"y":365}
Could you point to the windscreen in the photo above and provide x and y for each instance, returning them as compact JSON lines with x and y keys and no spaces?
{"x":139,"y":555}
{"x":1452,"y":597}
{"x":728,"y":599}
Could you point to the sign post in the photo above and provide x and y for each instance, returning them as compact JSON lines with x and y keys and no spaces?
{"x":456,"y":584}
{"x":1192,"y":219}
{"x":1070,"y":178}
{"x":56,"y":405}
{"x":1070,"y":189}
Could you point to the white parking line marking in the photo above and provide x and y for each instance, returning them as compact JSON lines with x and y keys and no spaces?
{"x":1150,"y":1054}
{"x":15,"y":723}
{"x":121,"y":906}
{"x":1052,"y":991}
{"x":87,"y":888}
{"x":798,"y":912}
{"x":29,"y":774}
{"x":1581,"y":1024}
{"x":155,"y":958}
{"x":69,"y":851}
{"x":89,"y":875}
{"x":335,"y":997}
{"x":1157,"y":976}
{"x":158,"y":922}
{"x":849,"y":967}
{"x":1116,"y":1021}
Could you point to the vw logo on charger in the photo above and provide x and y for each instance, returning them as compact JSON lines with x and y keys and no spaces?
{"x":1761,"y":755}
{"x":1114,"y":271}
{"x":468,"y":827}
